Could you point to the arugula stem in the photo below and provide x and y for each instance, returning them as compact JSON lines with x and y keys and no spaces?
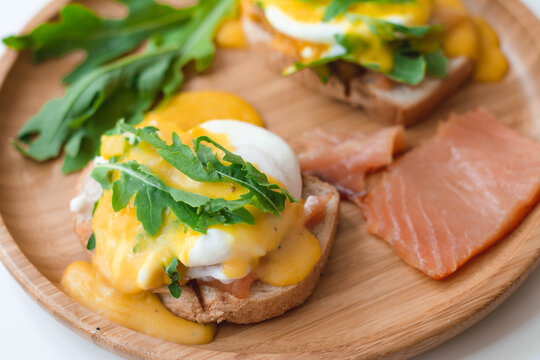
{"x":131,"y":173}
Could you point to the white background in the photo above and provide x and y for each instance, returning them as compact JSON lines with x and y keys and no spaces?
{"x":28,"y":332}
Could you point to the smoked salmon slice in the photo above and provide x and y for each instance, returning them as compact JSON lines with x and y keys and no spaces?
{"x":455,"y":195}
{"x":315,"y":209}
{"x":238,"y":288}
{"x":344,"y":157}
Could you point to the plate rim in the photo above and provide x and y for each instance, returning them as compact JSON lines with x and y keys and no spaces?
{"x":47,"y":295}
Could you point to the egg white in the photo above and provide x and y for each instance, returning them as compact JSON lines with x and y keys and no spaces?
{"x":318,"y":33}
{"x":322,"y":32}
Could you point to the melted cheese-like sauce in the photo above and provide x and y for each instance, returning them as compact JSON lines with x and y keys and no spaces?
{"x":230,"y":35}
{"x":293,"y":260}
{"x":128,"y":262}
{"x":472,"y":37}
{"x":191,"y":108}
{"x":491,"y":64}
{"x":143,"y":312}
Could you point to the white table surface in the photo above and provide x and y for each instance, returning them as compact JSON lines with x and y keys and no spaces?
{"x":29,"y":332}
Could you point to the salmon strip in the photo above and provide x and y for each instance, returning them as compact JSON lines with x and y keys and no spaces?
{"x":315,"y":209}
{"x":344,"y":157}
{"x":238,"y":288}
{"x":455,"y":195}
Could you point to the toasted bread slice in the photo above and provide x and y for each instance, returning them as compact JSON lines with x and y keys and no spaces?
{"x":395,"y":104}
{"x":264,"y":301}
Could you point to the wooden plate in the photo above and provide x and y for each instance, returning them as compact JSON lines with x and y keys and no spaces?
{"x":369,"y":304}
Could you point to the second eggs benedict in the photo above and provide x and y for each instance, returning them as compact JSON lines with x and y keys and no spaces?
{"x":397,"y":59}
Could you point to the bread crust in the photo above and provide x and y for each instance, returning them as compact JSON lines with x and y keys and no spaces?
{"x":264,"y":301}
{"x":400,"y":104}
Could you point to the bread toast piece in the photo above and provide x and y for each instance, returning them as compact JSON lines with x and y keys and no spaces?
{"x":264,"y":301}
{"x":398,"y":104}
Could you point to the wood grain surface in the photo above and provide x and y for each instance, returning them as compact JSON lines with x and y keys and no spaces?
{"x":369,"y":304}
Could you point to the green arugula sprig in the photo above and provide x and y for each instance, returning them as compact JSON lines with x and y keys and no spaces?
{"x":153,"y":196}
{"x":338,"y":7}
{"x":103,"y":40}
{"x":260,"y":191}
{"x":91,"y":244}
{"x":202,"y":164}
{"x":172,"y":272}
{"x":122,"y":89}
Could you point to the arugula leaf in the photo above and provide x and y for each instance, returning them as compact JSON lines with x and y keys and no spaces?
{"x":408,"y":69}
{"x":102,"y":39}
{"x":153,"y":196}
{"x":91,"y":244}
{"x":412,"y":69}
{"x":172,"y":272}
{"x":338,"y":7}
{"x":436,"y":64}
{"x":122,"y":89}
{"x":390,"y":31}
{"x":178,"y":154}
{"x":204,"y":166}
{"x":320,"y":66}
{"x":260,"y":191}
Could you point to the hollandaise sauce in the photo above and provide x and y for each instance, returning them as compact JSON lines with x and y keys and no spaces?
{"x":292,"y":260}
{"x":230,"y":33}
{"x":142,"y":312}
{"x":470,"y":36}
{"x":128,"y":262}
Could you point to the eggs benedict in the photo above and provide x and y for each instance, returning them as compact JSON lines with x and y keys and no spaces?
{"x":209,"y":221}
{"x":396,"y":59}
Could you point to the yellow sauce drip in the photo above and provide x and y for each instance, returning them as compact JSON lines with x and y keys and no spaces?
{"x":472,"y":37}
{"x":461,"y":41}
{"x":230,"y":35}
{"x":491,"y":65}
{"x":293,"y":260}
{"x":270,"y":233}
{"x":191,"y":108}
{"x":142,"y":312}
